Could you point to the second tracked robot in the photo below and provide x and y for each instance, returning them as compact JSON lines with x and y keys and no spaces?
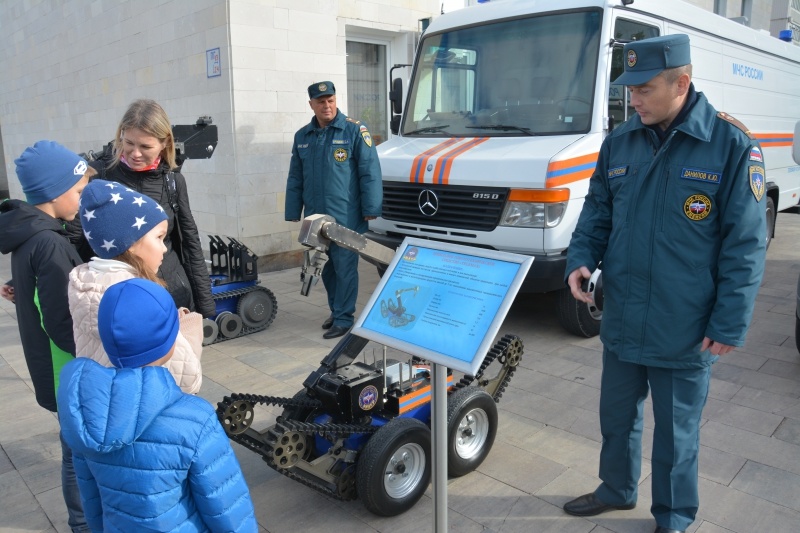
{"x":360,"y":426}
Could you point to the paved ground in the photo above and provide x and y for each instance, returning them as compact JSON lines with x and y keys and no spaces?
{"x":548,"y":441}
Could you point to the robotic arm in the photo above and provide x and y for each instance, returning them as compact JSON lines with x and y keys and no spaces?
{"x":318,"y":231}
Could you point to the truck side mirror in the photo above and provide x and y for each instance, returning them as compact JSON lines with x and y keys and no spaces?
{"x":796,"y":143}
{"x":396,"y":96}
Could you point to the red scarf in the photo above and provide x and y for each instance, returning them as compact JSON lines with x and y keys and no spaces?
{"x":149,"y":167}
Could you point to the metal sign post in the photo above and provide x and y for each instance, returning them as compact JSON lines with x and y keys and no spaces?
{"x":439,"y":447}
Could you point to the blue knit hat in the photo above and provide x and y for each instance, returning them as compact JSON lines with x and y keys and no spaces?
{"x":47,"y":170}
{"x":114,"y":217}
{"x":138,"y":322}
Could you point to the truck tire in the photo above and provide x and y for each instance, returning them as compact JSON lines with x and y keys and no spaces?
{"x":770,"y":220}
{"x":797,"y":332}
{"x":394,"y":469}
{"x":471,"y":428}
{"x":576,"y":317}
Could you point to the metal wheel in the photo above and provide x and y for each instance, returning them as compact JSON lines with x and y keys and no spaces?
{"x":230,"y":325}
{"x":237,"y":417}
{"x":394,"y":468}
{"x":471,"y":429}
{"x":210,"y":331}
{"x":257,"y":309}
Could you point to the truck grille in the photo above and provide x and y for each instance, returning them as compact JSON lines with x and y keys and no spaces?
{"x":458,"y":207}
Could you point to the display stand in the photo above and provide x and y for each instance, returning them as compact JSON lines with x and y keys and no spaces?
{"x":444,"y":303}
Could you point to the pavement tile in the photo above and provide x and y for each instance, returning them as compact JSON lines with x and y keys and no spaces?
{"x":769,"y":484}
{"x":741,"y":512}
{"x":741,"y":417}
{"x":761,"y":449}
{"x":789,"y":431}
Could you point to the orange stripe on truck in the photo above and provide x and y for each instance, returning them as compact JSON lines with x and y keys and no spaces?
{"x":418,"y":166}
{"x":441,"y":174}
{"x":566,"y":171}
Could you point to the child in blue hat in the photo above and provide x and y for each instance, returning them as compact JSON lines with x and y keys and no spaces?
{"x":126,"y":231}
{"x":52,"y":178}
{"x":148,"y":456}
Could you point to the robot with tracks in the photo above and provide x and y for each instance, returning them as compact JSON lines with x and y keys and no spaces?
{"x":360,"y":426}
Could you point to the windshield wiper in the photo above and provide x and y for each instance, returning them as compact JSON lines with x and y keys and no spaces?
{"x":431,"y":129}
{"x":504,"y":127}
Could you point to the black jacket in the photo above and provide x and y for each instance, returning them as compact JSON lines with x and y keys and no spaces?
{"x":187,"y":277}
{"x":41,"y":260}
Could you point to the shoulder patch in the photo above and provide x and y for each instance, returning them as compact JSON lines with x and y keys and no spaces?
{"x":354,"y":121}
{"x":724,"y":116}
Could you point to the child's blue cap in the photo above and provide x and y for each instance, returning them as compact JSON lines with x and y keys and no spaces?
{"x":138,"y":322}
{"x":114,"y":217}
{"x":47,"y":170}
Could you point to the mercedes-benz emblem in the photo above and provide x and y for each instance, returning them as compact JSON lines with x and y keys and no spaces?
{"x":428,"y":202}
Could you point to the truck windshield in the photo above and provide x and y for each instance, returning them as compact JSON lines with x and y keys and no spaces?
{"x":525,"y":76}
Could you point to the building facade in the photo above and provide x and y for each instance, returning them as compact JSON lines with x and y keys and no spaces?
{"x":71,"y":67}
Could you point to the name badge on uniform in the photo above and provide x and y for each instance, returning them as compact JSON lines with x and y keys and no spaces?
{"x":302,"y":145}
{"x":340,"y":141}
{"x":757,"y":181}
{"x":707,"y":176}
{"x":617,"y":172}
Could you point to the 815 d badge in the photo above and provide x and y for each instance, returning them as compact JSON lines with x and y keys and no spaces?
{"x":697,"y":207}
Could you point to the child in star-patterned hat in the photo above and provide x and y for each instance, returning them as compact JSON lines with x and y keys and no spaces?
{"x":126,"y":231}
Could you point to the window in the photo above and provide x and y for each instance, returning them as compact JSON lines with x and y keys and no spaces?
{"x":367,"y":97}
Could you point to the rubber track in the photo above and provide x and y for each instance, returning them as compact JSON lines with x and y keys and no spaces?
{"x":246,"y":330}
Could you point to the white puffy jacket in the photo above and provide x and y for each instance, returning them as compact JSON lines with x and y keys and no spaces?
{"x":88,"y":282}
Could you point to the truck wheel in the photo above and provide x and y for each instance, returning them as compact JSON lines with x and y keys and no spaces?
{"x":471,"y":428}
{"x":394,"y":469}
{"x":578,"y":318}
{"x":797,"y":332}
{"x":770,"y":220}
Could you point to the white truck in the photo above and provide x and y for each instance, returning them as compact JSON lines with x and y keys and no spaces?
{"x":509,"y":101}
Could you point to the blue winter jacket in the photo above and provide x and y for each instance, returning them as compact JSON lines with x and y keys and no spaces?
{"x":335,"y":171}
{"x":147,"y":456}
{"x":681,"y":232}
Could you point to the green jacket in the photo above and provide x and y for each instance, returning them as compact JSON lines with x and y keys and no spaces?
{"x":681,"y":232}
{"x":334,"y":171}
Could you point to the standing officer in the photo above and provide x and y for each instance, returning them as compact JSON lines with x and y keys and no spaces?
{"x":675,"y":211}
{"x":335,"y":171}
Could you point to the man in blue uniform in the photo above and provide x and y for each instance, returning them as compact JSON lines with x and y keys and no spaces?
{"x":676,"y":213}
{"x":335,"y":171}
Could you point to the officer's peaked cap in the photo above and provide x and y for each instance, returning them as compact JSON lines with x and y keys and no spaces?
{"x":647,"y":58}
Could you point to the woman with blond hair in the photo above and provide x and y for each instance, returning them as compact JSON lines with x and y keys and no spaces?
{"x":143,"y":159}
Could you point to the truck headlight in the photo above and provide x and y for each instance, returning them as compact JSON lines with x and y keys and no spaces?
{"x":535,"y":208}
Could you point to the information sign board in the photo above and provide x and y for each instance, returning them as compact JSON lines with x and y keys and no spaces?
{"x":443,"y":302}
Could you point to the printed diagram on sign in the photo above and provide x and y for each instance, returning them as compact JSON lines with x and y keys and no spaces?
{"x":396,"y":312}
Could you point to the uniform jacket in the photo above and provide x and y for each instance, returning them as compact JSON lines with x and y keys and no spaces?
{"x":681,"y":234}
{"x":88,"y":283}
{"x":147,"y":456}
{"x":188,"y":282}
{"x":334,"y":171}
{"x":41,"y":258}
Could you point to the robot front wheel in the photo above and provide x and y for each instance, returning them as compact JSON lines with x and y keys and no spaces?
{"x":394,"y":469}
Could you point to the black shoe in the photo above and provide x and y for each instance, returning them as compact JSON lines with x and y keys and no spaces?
{"x":589,"y":505}
{"x":335,"y":331}
{"x":660,"y":529}
{"x":328,"y":323}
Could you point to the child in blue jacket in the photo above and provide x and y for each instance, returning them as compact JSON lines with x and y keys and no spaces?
{"x":148,"y":456}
